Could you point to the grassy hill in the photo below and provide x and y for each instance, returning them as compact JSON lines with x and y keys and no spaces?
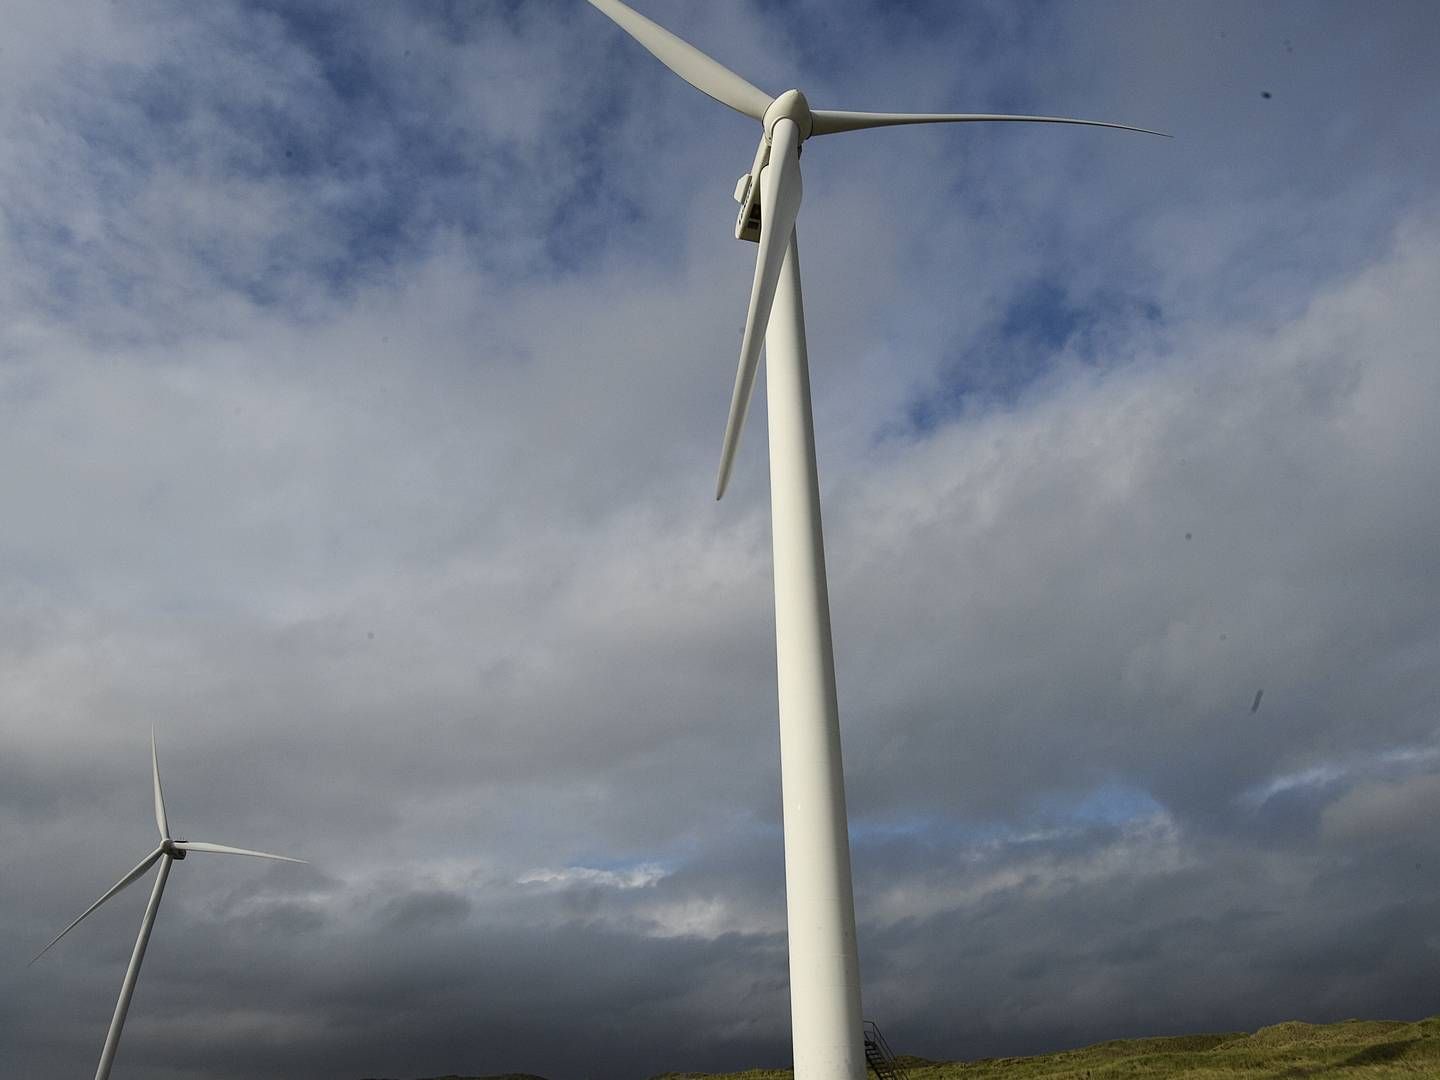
{"x":1350,"y":1050}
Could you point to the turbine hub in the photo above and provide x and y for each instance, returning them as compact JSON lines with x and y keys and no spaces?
{"x":791,"y":105}
{"x":168,"y":846}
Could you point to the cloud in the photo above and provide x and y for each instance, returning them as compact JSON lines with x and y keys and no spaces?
{"x":1382,"y":812}
{"x":635,"y":878}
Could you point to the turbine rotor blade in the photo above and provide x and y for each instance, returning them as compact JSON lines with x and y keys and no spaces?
{"x":160,"y":820}
{"x":780,"y":194}
{"x":128,"y":879}
{"x":831,"y":121}
{"x":708,"y":76}
{"x":221,"y":849}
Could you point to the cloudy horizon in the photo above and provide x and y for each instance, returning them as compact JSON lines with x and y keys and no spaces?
{"x":362,"y":379}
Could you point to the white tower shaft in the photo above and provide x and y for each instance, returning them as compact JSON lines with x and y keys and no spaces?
{"x":824,"y":964}
{"x":127,"y":988}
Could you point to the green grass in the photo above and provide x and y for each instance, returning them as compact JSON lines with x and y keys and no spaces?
{"x":1368,"y":1049}
{"x":1349,"y":1050}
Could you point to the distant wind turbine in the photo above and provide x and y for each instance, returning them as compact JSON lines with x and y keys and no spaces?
{"x":169,"y":850}
{"x":824,"y":970}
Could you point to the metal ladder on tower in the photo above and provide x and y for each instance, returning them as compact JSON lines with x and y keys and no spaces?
{"x":879,"y":1057}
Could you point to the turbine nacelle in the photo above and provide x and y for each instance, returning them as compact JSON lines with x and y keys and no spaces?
{"x":747,"y":194}
{"x":174,"y":848}
{"x":791,"y":105}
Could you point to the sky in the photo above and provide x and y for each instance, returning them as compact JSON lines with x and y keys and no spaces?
{"x":362,"y":377}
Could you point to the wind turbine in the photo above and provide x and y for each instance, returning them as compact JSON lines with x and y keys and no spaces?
{"x":820,"y":909}
{"x":169,"y":851}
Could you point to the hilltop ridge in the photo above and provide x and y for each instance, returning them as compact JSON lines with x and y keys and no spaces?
{"x":1293,"y":1050}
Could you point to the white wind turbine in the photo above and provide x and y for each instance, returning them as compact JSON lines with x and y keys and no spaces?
{"x":169,"y":850}
{"x":820,"y":908}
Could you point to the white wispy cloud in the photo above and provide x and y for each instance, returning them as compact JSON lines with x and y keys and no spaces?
{"x":635,"y":877}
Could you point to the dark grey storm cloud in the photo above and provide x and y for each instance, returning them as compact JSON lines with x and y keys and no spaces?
{"x":362,"y":374}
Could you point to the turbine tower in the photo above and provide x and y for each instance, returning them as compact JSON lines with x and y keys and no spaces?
{"x":825,"y":1013}
{"x":169,"y":851}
